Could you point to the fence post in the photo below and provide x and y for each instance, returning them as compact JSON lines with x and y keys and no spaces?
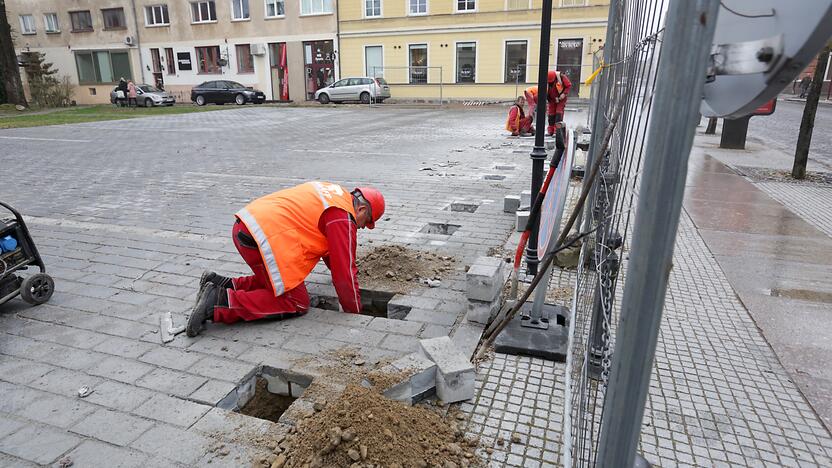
{"x":689,"y":31}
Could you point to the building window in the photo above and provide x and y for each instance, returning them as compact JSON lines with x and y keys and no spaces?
{"x":203,"y":12}
{"x":315,"y":7}
{"x":418,"y":63}
{"x":81,"y":21}
{"x":374,"y":61}
{"x":372,"y":8}
{"x":572,"y":3}
{"x":275,"y":8}
{"x":417,"y":7}
{"x":245,"y":61}
{"x":518,"y":5}
{"x":466,"y":62}
{"x":466,"y":5}
{"x":50,"y":23}
{"x":208,"y":59}
{"x":156,"y":15}
{"x":170,"y":61}
{"x":319,"y":65}
{"x":516,"y":61}
{"x":27,"y":24}
{"x":114,"y":18}
{"x":239,"y":10}
{"x":102,"y":67}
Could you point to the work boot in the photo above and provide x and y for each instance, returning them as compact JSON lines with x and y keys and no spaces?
{"x":209,"y":297}
{"x":211,"y":277}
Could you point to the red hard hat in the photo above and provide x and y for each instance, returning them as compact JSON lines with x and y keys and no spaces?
{"x":376,"y":200}
{"x":552,"y":76}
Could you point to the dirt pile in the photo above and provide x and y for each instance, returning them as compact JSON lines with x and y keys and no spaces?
{"x":399,"y":269}
{"x":361,"y":428}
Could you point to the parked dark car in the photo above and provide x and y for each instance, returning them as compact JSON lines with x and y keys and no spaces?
{"x":222,"y":91}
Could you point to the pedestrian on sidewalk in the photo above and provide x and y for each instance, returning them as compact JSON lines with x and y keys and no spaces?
{"x":121,"y":92}
{"x":282,"y":236}
{"x":131,"y":94}
{"x":805,"y":83}
{"x":518,"y":123}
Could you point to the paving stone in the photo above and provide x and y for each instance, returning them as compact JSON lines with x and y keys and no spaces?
{"x":436,"y":317}
{"x":212,"y":392}
{"x":21,"y":371}
{"x":466,"y":337}
{"x":38,"y":444}
{"x":123,"y":347}
{"x":400,"y":327}
{"x":485,"y":279}
{"x":120,"y":369}
{"x":218,"y":347}
{"x":511,"y":203}
{"x":112,"y":426}
{"x":402,"y":343}
{"x":173,"y":443}
{"x":171,"y":357}
{"x":433,"y":331}
{"x":455,"y":373}
{"x":526,"y":198}
{"x":9,"y":425}
{"x":222,"y":369}
{"x":70,"y":358}
{"x":172,"y":382}
{"x":421,"y":369}
{"x":482,"y":311}
{"x":521,"y":219}
{"x":172,"y":410}
{"x":92,"y":453}
{"x":220,"y":422}
{"x":358,"y":336}
{"x":16,"y":398}
{"x":118,"y":396}
{"x":57,"y":410}
{"x":269,"y":356}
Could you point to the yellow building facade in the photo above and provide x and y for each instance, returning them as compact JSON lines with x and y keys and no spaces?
{"x":476,"y":49}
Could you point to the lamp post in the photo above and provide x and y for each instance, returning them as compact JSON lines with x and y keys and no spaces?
{"x":538,"y":153}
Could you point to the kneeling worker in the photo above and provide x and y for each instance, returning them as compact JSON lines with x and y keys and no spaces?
{"x":281,"y":237}
{"x":518,"y":123}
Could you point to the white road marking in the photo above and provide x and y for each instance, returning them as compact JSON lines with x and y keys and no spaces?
{"x":45,"y":139}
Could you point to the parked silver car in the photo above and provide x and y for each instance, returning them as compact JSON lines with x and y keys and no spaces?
{"x":147,"y":96}
{"x":364,"y":89}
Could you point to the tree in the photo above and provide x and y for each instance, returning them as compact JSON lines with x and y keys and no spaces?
{"x":9,"y":73}
{"x":807,"y":124}
{"x":47,"y":90}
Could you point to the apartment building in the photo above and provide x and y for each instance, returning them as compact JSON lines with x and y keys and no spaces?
{"x":286,"y":48}
{"x":476,"y":49}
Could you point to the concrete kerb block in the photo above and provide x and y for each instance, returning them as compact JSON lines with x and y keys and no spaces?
{"x":485,"y":278}
{"x":455,"y":374}
{"x":482,"y":311}
{"x":511,"y":203}
{"x":522,"y":218}
{"x":526,"y":198}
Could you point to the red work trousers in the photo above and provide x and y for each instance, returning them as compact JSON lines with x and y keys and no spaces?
{"x":253,"y":296}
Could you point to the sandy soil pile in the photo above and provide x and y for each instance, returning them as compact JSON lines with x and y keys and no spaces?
{"x":363,"y":429}
{"x":397,"y":268}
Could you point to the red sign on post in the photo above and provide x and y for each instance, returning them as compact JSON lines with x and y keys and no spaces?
{"x":767,"y":108}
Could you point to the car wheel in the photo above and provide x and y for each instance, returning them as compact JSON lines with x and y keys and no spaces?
{"x":365,"y":97}
{"x":323,"y":98}
{"x":240,"y":99}
{"x":200,"y":100}
{"x":148,"y":102}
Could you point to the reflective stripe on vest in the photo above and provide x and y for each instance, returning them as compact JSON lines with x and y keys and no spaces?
{"x":265,"y":249}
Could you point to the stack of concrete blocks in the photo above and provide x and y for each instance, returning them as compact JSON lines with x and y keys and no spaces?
{"x":419,"y":381}
{"x":455,"y":374}
{"x":484,"y":284}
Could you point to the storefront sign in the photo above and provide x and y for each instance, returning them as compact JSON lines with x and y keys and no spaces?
{"x":184,"y":60}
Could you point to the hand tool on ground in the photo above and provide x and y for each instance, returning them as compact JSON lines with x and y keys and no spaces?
{"x":166,"y":329}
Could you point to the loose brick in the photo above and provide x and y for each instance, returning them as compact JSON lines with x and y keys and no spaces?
{"x":455,"y":373}
{"x":511,"y":203}
{"x":485,"y":279}
{"x":526,"y":198}
{"x":522,"y":218}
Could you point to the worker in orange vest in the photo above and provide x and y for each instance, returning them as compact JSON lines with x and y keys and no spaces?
{"x":517,"y":122}
{"x":282,"y":236}
{"x":557,"y":93}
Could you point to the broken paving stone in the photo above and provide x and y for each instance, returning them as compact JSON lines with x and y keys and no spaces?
{"x":354,"y":455}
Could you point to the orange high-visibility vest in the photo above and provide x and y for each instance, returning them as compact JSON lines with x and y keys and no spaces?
{"x":285,"y":227}
{"x":532,"y":90}
{"x":520,"y":114}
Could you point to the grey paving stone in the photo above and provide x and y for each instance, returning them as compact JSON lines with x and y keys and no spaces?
{"x":170,"y":357}
{"x":65,"y":382}
{"x":274,"y":357}
{"x":171,"y":410}
{"x":219,"y":347}
{"x":9,"y":425}
{"x":120,"y":369}
{"x":466,"y":337}
{"x":21,"y":371}
{"x":67,"y":336}
{"x":17,"y":397}
{"x":212,"y":392}
{"x":112,"y":426}
{"x":436,"y":317}
{"x":123,"y":347}
{"x":10,"y":461}
{"x":222,"y":369}
{"x":401,"y":327}
{"x":173,"y":443}
{"x":316,"y":347}
{"x":57,"y":410}
{"x":170,"y":381}
{"x":70,"y":358}
{"x":432,"y":331}
{"x":220,"y":422}
{"x":92,"y":453}
{"x":358,"y":336}
{"x":405,"y":344}
{"x":118,"y":396}
{"x":38,"y":444}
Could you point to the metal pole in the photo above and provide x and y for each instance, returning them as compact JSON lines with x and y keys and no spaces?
{"x":689,"y":31}
{"x":538,"y":153}
{"x":441,"y":81}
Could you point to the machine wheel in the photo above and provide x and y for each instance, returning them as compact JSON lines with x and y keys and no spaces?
{"x":148,"y":102}
{"x":240,"y":99}
{"x":323,"y":98}
{"x":37,"y":288}
{"x":200,"y":100}
{"x":365,"y":98}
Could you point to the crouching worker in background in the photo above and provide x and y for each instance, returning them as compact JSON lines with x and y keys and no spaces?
{"x":518,"y":123}
{"x":282,"y":237}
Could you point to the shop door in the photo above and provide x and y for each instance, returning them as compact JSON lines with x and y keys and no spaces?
{"x":319,"y":66}
{"x":570,"y":55}
{"x":279,"y":71}
{"x":158,"y":79}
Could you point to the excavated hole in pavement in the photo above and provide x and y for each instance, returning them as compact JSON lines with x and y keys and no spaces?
{"x":440,"y":228}
{"x":265,"y":404}
{"x":462,"y":207}
{"x":373,"y":302}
